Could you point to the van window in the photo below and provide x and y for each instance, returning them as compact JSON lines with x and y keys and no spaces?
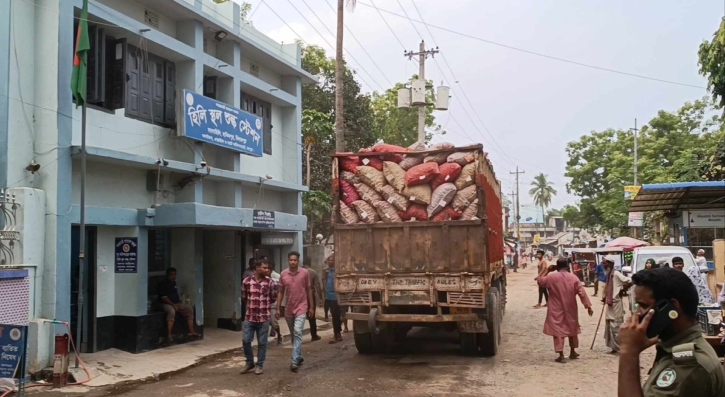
{"x":663,"y":257}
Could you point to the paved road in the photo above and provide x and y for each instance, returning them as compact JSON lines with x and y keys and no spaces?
{"x":428,"y":364}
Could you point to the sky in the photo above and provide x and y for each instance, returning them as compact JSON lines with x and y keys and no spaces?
{"x":524,"y":108}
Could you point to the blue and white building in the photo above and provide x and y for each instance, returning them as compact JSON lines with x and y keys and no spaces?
{"x":175,"y":188}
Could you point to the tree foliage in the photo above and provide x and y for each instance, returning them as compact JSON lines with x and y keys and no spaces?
{"x":542,"y":191}
{"x":712,"y":64}
{"x":673,"y":147}
{"x":400,"y":126}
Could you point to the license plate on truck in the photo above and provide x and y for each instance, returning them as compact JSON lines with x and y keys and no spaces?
{"x":409,"y":283}
{"x":469,"y":327}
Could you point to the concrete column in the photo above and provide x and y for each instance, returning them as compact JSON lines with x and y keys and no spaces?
{"x":220,"y":277}
{"x":187,"y":256}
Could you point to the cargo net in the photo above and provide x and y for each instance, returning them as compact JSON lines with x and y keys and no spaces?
{"x":391,"y":184}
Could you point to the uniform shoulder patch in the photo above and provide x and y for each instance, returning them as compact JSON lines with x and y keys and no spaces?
{"x":684,"y":354}
{"x":666,"y":378}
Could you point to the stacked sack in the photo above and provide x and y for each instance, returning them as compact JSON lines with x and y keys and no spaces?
{"x":394,"y":187}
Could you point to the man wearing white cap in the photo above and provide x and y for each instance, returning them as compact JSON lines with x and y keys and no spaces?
{"x":617,"y":283}
{"x":701,"y":261}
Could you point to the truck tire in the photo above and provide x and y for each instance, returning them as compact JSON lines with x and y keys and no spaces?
{"x":364,"y":342}
{"x":488,"y":342}
{"x":469,"y":344}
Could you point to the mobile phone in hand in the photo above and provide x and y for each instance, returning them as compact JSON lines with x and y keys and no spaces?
{"x":665,"y":312}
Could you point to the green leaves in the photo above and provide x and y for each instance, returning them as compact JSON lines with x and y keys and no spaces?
{"x":673,"y":147}
{"x":712,"y":64}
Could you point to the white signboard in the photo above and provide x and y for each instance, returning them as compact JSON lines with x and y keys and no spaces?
{"x":636,"y":219}
{"x":706,"y":219}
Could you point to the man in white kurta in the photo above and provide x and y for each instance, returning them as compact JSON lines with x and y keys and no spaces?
{"x":616,"y":284}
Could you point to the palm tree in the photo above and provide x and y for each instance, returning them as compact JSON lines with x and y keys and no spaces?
{"x":542,"y":191}
{"x":340,"y":76}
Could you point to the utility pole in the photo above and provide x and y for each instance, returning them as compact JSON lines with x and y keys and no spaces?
{"x":513,"y":200}
{"x":518,"y":208}
{"x":422,"y":56}
{"x":634,"y":229}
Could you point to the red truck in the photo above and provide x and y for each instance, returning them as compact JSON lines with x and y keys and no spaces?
{"x":448,"y":273}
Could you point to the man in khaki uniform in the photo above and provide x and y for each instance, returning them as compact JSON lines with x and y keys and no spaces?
{"x":685,"y":364}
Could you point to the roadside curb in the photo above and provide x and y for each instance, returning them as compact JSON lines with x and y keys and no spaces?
{"x":287,"y":337}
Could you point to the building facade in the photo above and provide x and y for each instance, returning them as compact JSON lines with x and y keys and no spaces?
{"x":168,"y":200}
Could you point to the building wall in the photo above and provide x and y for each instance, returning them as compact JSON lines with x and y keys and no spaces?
{"x":39,"y":122}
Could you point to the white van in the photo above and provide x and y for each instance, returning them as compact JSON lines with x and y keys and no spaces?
{"x":662,"y":253}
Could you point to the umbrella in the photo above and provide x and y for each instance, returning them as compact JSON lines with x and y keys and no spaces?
{"x":626,"y":242}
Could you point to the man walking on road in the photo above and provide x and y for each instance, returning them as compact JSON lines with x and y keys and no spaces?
{"x":316,"y":296}
{"x":331,"y":299}
{"x":616,"y":284}
{"x":259,"y":292}
{"x":543,"y":293}
{"x":562,"y":315}
{"x":601,"y":284}
{"x":295,"y":286}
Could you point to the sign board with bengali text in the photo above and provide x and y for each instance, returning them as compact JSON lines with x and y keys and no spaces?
{"x":208,"y":120}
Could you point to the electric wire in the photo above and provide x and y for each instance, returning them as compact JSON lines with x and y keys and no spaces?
{"x":354,"y":38}
{"x":555,"y":58}
{"x":325,"y":39}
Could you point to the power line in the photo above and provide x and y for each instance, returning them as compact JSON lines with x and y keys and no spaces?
{"x":352,"y":35}
{"x":388,"y":25}
{"x":408,"y":18}
{"x":323,"y":38}
{"x":537,"y":53}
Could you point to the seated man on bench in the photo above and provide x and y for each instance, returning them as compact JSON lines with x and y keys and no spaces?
{"x":169,"y":298}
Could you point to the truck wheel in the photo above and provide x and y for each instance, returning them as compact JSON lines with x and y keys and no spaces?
{"x":488,"y":342}
{"x":469,"y":344}
{"x":363,"y":340}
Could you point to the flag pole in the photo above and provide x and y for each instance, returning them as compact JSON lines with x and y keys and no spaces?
{"x":82,"y":242}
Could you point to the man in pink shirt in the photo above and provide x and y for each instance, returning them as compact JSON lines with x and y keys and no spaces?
{"x":562,"y":314}
{"x":296,"y":285}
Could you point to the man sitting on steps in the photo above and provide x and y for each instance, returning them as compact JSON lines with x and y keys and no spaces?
{"x":169,"y":298}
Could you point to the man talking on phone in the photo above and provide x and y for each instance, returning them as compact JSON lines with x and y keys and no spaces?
{"x":685,"y":364}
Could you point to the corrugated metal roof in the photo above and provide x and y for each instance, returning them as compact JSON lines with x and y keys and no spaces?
{"x":679,"y":196}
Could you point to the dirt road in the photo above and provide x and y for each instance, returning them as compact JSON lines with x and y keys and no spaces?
{"x":428,"y":364}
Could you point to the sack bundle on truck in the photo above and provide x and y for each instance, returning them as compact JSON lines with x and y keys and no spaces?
{"x":419,"y":240}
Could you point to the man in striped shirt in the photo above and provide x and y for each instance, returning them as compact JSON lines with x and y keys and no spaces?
{"x":259,"y":293}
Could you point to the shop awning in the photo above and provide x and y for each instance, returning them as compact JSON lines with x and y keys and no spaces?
{"x":679,"y":196}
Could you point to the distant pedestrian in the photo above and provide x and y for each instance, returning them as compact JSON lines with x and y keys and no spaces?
{"x":260,"y":293}
{"x":295,"y":286}
{"x":330,"y":294}
{"x":600,"y":285}
{"x":543,"y":265}
{"x":562,"y":315}
{"x":316,"y":296}
{"x":615,"y":286}
{"x":273,"y":322}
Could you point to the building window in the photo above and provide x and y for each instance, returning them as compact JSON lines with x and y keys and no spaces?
{"x":123,"y":76}
{"x":264,"y":110}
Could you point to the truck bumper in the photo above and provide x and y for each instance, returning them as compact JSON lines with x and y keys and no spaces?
{"x":415,"y":318}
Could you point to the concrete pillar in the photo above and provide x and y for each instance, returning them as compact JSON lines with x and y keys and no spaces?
{"x":187,"y":256}
{"x":221,"y":279}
